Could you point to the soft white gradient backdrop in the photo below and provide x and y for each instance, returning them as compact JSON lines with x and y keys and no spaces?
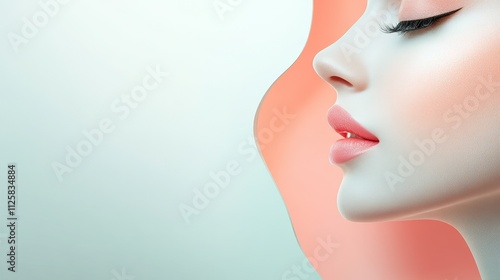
{"x":118,"y":210}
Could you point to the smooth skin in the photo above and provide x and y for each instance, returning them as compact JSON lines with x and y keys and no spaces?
{"x":432,"y":97}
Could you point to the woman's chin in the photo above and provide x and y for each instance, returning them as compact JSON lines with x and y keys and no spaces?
{"x":358,"y":205}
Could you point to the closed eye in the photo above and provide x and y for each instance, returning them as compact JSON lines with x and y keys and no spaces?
{"x":411,"y":25}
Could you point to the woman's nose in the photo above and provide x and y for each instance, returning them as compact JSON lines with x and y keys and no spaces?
{"x":340,"y":67}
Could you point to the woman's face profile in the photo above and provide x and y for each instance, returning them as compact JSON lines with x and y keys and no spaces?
{"x":418,"y":100}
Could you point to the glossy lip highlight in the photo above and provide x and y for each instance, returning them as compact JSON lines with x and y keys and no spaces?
{"x":350,"y":147}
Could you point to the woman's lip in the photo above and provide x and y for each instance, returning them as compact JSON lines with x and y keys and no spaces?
{"x":348,"y":148}
{"x":340,"y":120}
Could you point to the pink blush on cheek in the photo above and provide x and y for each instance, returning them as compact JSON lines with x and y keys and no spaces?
{"x":420,"y":9}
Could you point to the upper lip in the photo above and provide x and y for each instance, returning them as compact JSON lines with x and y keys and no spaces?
{"x":343,"y":123}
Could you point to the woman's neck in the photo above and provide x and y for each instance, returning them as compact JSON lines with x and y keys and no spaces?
{"x":479,"y":223}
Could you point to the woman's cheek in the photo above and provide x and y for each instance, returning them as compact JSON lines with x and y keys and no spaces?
{"x":443,"y":90}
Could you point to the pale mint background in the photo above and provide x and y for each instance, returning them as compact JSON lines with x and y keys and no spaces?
{"x":116,"y":215}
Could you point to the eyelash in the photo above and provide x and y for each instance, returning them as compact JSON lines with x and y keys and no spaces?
{"x":412,"y":25}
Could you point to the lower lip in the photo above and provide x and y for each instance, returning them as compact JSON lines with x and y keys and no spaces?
{"x":345,"y":150}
